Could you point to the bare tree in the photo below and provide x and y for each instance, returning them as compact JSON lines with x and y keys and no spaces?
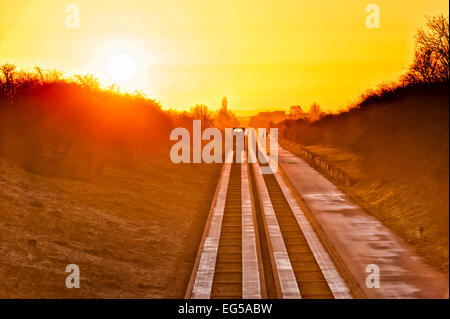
{"x":7,"y":82}
{"x":201,"y":112}
{"x":315,"y":112}
{"x":296,"y":112}
{"x":431,"y":58}
{"x":224,"y":118}
{"x":224,"y":103}
{"x":436,"y":38}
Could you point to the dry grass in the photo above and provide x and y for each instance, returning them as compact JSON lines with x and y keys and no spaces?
{"x":134,"y":233}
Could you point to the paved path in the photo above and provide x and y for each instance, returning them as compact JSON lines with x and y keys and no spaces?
{"x":361,"y":240}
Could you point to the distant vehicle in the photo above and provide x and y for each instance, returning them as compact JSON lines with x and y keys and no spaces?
{"x":239,"y":130}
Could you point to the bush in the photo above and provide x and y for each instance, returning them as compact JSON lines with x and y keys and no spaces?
{"x":48,"y":121}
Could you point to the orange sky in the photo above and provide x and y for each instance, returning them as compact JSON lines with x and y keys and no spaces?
{"x":262,"y":55}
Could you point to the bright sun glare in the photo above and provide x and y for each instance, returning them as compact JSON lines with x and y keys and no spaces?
{"x":121,"y":67}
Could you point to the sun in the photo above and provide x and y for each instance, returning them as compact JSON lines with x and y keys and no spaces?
{"x":121,"y":67}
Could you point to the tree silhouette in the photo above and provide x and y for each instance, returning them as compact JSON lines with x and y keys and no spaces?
{"x":431,"y":58}
{"x":8,"y":72}
{"x":296,"y":112}
{"x":224,"y":103}
{"x":315,"y":112}
{"x":201,"y":112}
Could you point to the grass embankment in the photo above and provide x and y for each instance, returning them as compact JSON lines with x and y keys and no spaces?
{"x":133,"y":232}
{"x":395,"y":151}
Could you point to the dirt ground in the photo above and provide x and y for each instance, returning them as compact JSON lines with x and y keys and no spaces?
{"x":403,"y":206}
{"x":134,"y":233}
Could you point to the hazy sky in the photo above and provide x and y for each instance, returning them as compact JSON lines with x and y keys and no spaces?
{"x":261,"y":54}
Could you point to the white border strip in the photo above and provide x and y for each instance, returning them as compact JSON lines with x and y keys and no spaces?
{"x":205,"y":273}
{"x":251,"y":283}
{"x":337,"y":285}
{"x":285,"y":272}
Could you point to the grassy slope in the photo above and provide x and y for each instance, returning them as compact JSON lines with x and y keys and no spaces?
{"x":134,"y":233}
{"x":395,"y":149}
